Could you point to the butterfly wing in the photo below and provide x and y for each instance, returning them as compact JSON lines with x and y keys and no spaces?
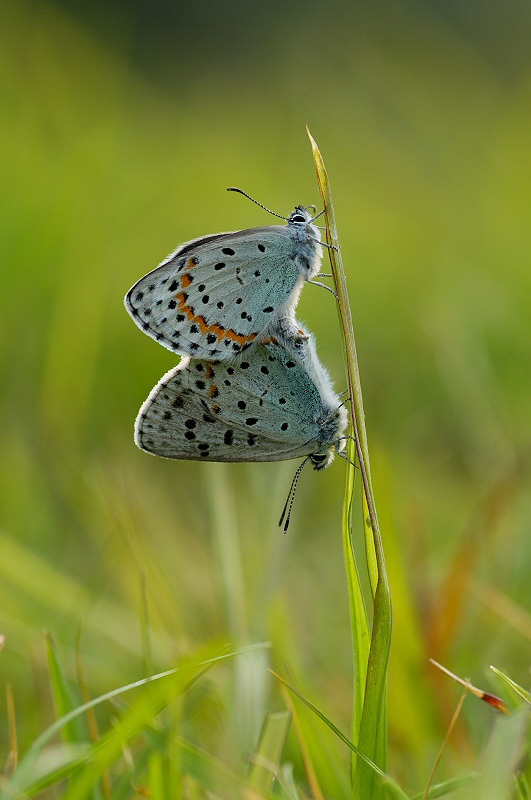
{"x":263,"y":408}
{"x":215,"y":295}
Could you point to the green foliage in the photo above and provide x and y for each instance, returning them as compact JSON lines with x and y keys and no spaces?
{"x":423,"y":115}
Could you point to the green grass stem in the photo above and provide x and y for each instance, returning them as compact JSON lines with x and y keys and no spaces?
{"x":372,"y":730}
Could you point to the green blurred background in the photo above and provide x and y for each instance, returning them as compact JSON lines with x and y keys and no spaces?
{"x":122,"y":126}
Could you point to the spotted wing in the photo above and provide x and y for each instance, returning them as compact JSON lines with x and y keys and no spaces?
{"x":263,"y":408}
{"x":214,"y":296}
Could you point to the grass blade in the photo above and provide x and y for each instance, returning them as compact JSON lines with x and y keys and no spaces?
{"x":300,"y":733}
{"x":358,"y":613}
{"x":372,"y":738}
{"x":12,"y":759}
{"x":64,"y":701}
{"x":184,"y":675}
{"x":269,"y":751}
{"x":56,"y":763}
{"x":393,"y":788}
{"x":447,"y":787}
{"x":501,"y":756}
{"x":523,"y":693}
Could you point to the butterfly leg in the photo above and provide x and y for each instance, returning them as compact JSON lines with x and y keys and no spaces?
{"x":329,"y":246}
{"x":324,"y":286}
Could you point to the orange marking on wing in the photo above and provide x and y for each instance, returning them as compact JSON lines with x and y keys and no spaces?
{"x":191,"y":263}
{"x":215,"y":409}
{"x":190,"y":313}
{"x":209,"y":372}
{"x":218,"y":330}
{"x":268,"y":340}
{"x":213,"y":391}
{"x":185,"y":281}
{"x":238,"y":337}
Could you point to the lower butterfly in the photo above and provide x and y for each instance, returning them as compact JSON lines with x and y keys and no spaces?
{"x":272,"y":405}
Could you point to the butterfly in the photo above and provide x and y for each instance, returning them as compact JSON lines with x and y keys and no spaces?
{"x":217,"y":295}
{"x":271,"y":404}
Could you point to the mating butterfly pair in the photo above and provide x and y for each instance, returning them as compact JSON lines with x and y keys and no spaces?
{"x":250,"y":387}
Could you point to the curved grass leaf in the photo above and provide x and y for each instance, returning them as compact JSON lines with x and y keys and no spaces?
{"x":392,"y":787}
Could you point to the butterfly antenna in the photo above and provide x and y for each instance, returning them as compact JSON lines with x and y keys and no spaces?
{"x":318,"y":215}
{"x":291,"y":496}
{"x":233,"y":189}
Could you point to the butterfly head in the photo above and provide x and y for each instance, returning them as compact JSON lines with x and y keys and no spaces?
{"x":321,"y":460}
{"x":332,"y":440}
{"x":300,"y":216}
{"x":323,"y":457}
{"x":306,"y":238}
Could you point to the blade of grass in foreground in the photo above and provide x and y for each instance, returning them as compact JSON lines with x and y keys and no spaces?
{"x":392,"y":787}
{"x":447,"y":787}
{"x":180,"y":678}
{"x":269,"y":751}
{"x":372,"y":731}
{"x":74,"y":732}
{"x":525,"y":695}
{"x":502,"y":755}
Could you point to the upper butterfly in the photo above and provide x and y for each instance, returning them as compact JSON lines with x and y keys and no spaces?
{"x":214,"y":296}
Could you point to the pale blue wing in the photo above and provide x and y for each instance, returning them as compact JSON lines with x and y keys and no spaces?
{"x":216,"y":295}
{"x":263,"y":408}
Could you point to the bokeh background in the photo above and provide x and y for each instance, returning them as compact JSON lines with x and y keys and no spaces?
{"x":122,"y":125}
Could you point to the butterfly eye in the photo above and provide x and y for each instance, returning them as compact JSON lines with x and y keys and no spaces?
{"x":298,"y":218}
